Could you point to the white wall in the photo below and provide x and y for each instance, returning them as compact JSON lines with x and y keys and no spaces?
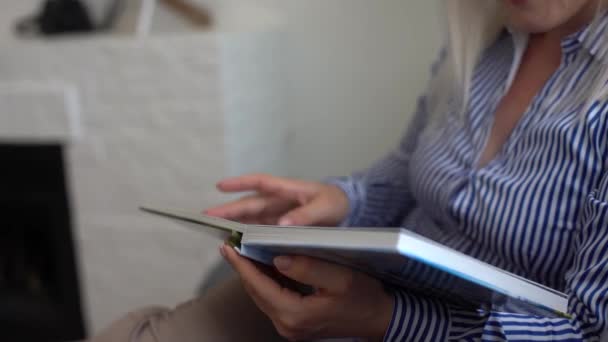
{"x":357,"y":67}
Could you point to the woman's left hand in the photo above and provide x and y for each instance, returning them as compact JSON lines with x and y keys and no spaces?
{"x":346,"y":303}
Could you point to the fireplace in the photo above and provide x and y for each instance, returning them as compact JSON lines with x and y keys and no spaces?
{"x":39,"y":289}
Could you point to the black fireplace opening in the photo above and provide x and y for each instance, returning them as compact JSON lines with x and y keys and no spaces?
{"x":39,"y":289}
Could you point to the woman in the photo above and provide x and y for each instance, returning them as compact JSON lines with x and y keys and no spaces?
{"x":506,"y":160}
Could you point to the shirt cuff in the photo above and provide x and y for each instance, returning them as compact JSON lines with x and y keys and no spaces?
{"x":353,"y":193}
{"x":417,"y":318}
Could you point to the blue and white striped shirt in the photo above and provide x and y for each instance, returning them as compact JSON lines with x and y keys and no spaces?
{"x":539,"y":209}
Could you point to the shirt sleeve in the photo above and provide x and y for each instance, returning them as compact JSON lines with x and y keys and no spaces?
{"x":380,"y":195}
{"x":423,"y":319}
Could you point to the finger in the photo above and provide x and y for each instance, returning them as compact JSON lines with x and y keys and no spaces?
{"x":309,"y":214}
{"x":278,"y":206}
{"x":263,"y":209}
{"x":258,"y":220}
{"x":265,"y":307}
{"x":259,"y":284}
{"x":247,"y":206}
{"x":267,"y":184}
{"x":325,"y":276}
{"x":251,"y":220}
{"x":269,"y":220}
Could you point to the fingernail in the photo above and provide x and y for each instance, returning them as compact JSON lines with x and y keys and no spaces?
{"x":222,"y":251}
{"x":285,"y":222}
{"x":282,"y":262}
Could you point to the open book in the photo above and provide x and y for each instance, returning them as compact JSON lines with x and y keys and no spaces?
{"x":397,"y":256}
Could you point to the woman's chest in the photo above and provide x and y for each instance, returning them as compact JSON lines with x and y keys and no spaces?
{"x":523,"y":205}
{"x":548,"y":161}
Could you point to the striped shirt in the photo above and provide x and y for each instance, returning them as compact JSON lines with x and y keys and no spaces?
{"x":539,"y":209}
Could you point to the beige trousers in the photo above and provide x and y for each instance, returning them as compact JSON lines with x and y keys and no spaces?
{"x":225,"y":313}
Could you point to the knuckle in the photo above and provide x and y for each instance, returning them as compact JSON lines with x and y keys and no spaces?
{"x":290,"y":323}
{"x":295,"y":326}
{"x":301,"y":216}
{"x":290,"y":336}
{"x":286,"y":333}
{"x":295,"y":321}
{"x":281,"y":329}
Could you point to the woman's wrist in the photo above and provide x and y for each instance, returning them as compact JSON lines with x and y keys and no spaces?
{"x":383,"y":316}
{"x":340,"y":201}
{"x":345,"y":198}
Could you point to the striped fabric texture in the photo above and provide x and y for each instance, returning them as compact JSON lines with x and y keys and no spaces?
{"x":539,"y":209}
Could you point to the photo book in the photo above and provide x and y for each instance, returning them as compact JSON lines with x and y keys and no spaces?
{"x":397,"y":256}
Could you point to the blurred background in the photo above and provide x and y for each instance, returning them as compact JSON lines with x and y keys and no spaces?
{"x":106,"y":105}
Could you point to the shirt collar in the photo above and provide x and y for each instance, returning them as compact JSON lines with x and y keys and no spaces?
{"x":593,"y":38}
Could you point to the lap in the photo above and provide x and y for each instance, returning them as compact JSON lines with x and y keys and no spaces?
{"x":225,"y":313}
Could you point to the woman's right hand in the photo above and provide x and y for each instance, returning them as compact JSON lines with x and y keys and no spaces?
{"x":282,"y":201}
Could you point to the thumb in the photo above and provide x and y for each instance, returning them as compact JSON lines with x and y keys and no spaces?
{"x":330,"y":277}
{"x":309,"y":214}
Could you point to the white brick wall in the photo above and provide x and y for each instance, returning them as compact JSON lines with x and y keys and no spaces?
{"x":54,"y":115}
{"x":161,"y":120}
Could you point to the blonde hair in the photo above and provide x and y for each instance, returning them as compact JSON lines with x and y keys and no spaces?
{"x":471,"y":26}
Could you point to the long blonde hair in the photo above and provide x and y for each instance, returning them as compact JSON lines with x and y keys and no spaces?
{"x":471,"y":26}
